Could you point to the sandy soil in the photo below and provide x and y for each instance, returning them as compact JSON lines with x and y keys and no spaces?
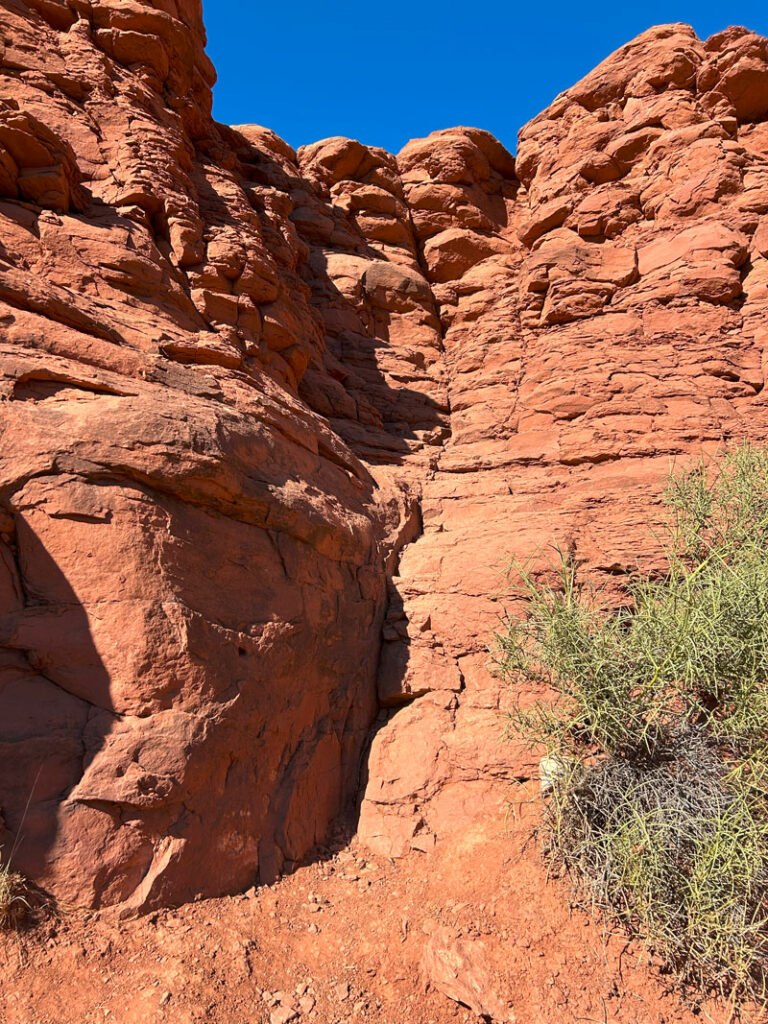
{"x":342,"y":940}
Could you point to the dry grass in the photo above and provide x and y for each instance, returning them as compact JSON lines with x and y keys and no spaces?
{"x":15,"y":905}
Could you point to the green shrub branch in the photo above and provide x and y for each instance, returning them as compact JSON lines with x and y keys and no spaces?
{"x":656,"y":736}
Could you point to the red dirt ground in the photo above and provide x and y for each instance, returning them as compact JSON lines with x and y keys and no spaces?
{"x":339,"y":941}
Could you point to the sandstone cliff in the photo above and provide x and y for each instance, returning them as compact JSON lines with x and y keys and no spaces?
{"x":272,"y":422}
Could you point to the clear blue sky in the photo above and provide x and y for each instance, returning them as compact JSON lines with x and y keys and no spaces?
{"x":386,"y":72}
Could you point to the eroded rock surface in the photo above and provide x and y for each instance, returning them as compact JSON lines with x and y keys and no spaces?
{"x":273,"y":422}
{"x":603,"y":306}
{"x":192,"y":559}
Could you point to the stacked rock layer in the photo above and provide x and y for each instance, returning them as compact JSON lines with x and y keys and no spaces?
{"x":273,"y":422}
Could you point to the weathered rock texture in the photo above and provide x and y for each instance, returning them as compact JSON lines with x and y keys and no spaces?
{"x":192,"y":561}
{"x":603,"y":308}
{"x":273,"y":421}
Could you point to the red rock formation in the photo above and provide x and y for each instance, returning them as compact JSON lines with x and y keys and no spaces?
{"x":193,"y":583}
{"x":273,"y":422}
{"x":612,"y":325}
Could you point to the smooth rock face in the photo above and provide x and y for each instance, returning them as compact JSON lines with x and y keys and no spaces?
{"x":273,"y":422}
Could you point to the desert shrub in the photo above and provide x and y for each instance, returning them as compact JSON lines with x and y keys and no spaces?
{"x":14,"y":902}
{"x":656,"y":737}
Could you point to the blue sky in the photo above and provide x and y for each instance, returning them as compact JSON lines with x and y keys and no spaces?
{"x":390,"y":71}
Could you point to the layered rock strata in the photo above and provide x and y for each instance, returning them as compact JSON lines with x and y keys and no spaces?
{"x":193,"y":582}
{"x":274,"y":421}
{"x":610,"y":326}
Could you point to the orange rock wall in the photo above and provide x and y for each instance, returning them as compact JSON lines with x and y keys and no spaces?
{"x":192,"y":584}
{"x":612,"y":328}
{"x":273,"y":422}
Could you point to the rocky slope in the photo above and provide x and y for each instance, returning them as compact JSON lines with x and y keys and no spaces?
{"x":273,"y":421}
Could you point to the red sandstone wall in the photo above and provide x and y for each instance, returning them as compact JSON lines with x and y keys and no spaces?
{"x":192,"y":578}
{"x":273,"y":421}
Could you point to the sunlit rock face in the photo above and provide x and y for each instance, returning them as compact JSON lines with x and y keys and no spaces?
{"x":193,"y":578}
{"x":273,"y":422}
